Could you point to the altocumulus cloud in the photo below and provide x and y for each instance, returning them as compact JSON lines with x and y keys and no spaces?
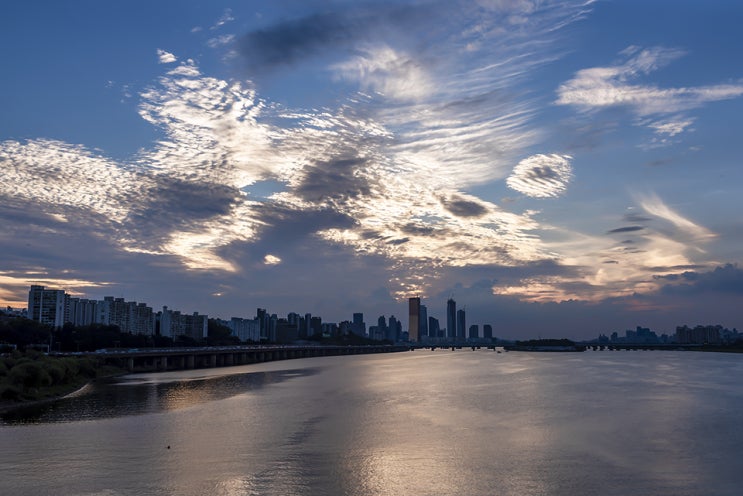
{"x":387,"y":181}
{"x":541,"y":176}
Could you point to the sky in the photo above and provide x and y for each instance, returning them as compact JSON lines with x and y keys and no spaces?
{"x":559,"y":168}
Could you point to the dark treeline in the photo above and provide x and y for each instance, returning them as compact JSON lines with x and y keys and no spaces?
{"x":23,"y":333}
{"x":20,"y":333}
{"x":546,"y":342}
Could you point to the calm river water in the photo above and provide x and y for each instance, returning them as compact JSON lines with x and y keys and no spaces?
{"x":418,"y":423}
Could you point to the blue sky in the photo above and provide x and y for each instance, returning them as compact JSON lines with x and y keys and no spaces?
{"x":560,"y":168}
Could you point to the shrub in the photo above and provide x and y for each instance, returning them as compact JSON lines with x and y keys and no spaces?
{"x":9,"y":392}
{"x":30,"y":375}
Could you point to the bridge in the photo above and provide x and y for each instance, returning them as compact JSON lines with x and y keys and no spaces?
{"x":163,"y":359}
{"x":642,"y":347}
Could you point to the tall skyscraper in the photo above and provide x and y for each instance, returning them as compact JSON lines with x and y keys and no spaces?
{"x":461,"y":325}
{"x":451,"y":319}
{"x":394,"y":329}
{"x":422,"y":322}
{"x":433,"y":327}
{"x":414,"y":308}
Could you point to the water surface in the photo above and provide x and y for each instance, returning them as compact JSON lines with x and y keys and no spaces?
{"x":419,"y":423}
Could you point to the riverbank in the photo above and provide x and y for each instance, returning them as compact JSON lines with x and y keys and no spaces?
{"x":32,"y":377}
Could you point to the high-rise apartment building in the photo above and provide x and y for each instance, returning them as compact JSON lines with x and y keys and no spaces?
{"x":46,"y":306}
{"x":358,"y":326}
{"x":414,"y":308}
{"x":174,"y":323}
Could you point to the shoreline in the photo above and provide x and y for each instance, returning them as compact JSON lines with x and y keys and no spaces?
{"x":6,"y":406}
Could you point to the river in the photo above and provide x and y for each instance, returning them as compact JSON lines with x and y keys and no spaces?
{"x":416,"y":423}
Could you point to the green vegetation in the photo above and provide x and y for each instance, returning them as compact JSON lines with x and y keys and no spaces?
{"x":34,"y":376}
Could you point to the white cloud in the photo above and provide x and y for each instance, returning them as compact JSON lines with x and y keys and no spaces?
{"x":671,"y":127}
{"x":381,"y":69}
{"x":165,"y":57}
{"x":271,"y":260}
{"x":541,"y":176}
{"x":655,"y":206}
{"x":219,"y":41}
{"x":391,"y":177}
{"x":611,"y":86}
{"x":224,"y":19}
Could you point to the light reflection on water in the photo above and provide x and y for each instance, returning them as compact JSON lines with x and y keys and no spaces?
{"x":422,"y":423}
{"x":145,"y":393}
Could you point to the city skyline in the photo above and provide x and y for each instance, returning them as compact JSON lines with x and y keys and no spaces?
{"x":562,"y":168}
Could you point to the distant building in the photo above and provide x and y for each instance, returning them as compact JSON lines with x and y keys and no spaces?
{"x":286,"y":331}
{"x":245,"y":329}
{"x":262,"y":317}
{"x":46,"y":305}
{"x":316,"y":326}
{"x":461,"y":325}
{"x":128,"y":316}
{"x":474,"y":334}
{"x":358,"y":326}
{"x":451,"y":319}
{"x":487,"y":332}
{"x":394,"y":329}
{"x":414,"y":306}
{"x":80,"y":311}
{"x":422,"y":323}
{"x":698,"y":335}
{"x":433,"y":328}
{"x":307,"y":330}
{"x":173,"y":324}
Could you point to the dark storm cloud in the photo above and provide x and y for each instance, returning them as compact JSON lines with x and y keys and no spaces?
{"x":290,"y":41}
{"x":463,"y":208}
{"x":625,"y":229}
{"x":725,"y":279}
